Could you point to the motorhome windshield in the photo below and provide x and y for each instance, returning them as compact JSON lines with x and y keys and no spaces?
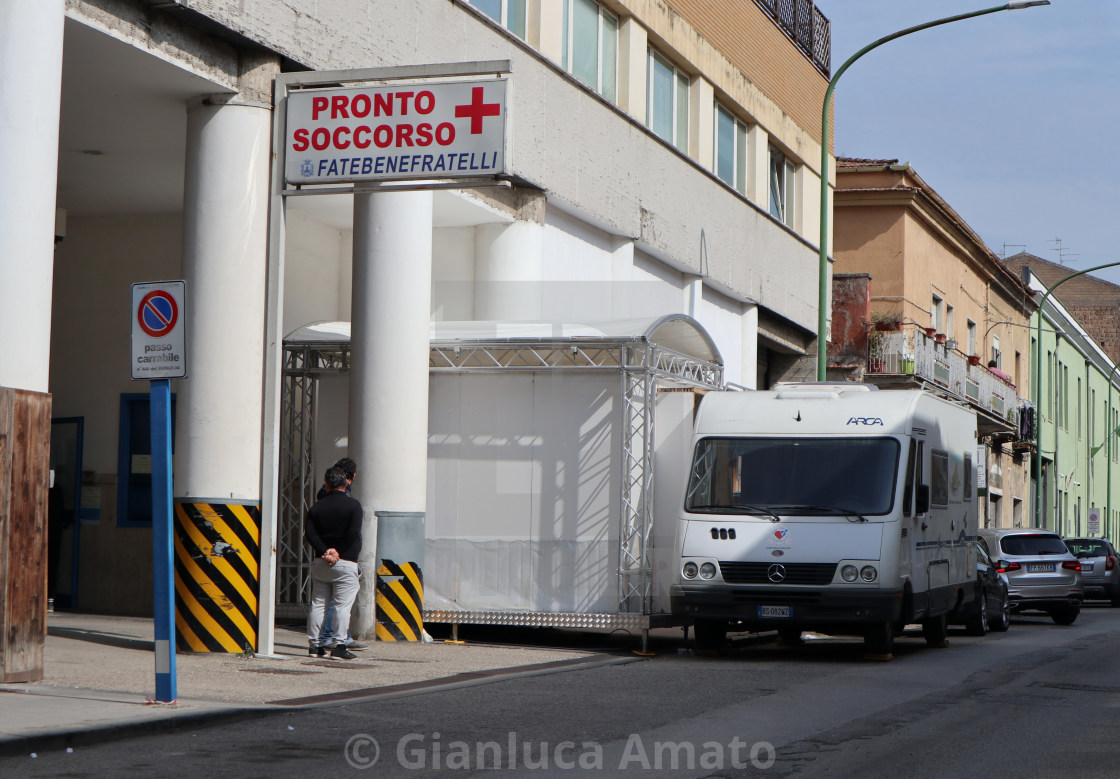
{"x":794,"y":475}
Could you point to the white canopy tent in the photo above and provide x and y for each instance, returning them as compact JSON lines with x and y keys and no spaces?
{"x":542,"y":447}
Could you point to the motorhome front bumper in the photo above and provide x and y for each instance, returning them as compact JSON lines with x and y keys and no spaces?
{"x":770,"y":608}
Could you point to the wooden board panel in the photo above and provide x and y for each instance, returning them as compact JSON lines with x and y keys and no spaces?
{"x":25,"y":567}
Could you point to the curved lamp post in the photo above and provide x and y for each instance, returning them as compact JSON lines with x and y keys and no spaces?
{"x":822,"y":280}
{"x":1036,"y":390}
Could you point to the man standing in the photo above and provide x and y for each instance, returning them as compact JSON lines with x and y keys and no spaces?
{"x":334,"y":531}
{"x":350,"y":469}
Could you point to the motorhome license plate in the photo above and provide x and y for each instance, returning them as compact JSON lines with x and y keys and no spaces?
{"x":774,"y":611}
{"x":1040,"y":567}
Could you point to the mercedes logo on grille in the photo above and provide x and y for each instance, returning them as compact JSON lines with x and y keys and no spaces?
{"x":776,"y":573}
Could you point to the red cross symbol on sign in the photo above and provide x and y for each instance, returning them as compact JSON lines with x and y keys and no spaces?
{"x":476,"y":110}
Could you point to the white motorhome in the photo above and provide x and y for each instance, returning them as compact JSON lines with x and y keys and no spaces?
{"x":828,"y":507}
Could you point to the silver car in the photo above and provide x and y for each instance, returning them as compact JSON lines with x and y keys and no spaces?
{"x":1041,"y":573}
{"x":1100,"y":567}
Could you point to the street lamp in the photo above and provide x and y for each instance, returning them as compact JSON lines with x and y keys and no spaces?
{"x":822,"y":279}
{"x":1036,"y":390}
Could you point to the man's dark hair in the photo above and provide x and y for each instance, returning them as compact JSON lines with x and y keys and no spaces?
{"x":335,"y":478}
{"x":348,"y":467}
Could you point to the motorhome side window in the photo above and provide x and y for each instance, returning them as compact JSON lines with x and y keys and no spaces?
{"x":796,"y":475}
{"x":939,"y":478}
{"x":908,"y":489}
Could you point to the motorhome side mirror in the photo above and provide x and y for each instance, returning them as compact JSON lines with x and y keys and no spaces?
{"x":922,"y":506}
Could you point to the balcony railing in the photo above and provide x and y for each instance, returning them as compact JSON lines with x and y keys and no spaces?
{"x":912,"y":352}
{"x":807,"y":26}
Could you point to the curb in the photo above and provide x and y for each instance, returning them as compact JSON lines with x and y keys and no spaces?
{"x":117,"y":730}
{"x":177,"y":720}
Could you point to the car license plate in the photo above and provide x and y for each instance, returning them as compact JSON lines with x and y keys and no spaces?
{"x":1086,"y":567}
{"x":774,"y":611}
{"x":1040,"y":567}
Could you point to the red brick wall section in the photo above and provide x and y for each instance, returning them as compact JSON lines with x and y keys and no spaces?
{"x":851,"y":312}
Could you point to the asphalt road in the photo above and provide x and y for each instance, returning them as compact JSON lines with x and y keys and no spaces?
{"x":1040,"y":700}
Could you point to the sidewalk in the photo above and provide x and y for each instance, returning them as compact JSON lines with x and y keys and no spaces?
{"x":100,"y":675}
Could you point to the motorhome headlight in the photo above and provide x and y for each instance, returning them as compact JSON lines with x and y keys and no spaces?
{"x":868,"y":573}
{"x":708,"y":571}
{"x":689,"y":570}
{"x":849,"y":573}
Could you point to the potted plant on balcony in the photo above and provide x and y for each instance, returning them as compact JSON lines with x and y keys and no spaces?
{"x":973,"y":359}
{"x":886,"y":322}
{"x":940,"y":338}
{"x":930,"y":331}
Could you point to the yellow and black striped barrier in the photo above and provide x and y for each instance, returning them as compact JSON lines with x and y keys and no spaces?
{"x":400,"y":602}
{"x":217,"y":576}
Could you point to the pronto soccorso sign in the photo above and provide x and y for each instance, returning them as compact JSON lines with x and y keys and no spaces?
{"x":425,"y":130}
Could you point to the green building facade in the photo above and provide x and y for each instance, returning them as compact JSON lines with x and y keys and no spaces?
{"x":1076,"y":393}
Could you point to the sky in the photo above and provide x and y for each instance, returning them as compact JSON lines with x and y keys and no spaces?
{"x":1013,"y":117}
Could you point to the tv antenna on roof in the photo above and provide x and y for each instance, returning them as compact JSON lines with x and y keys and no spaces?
{"x":1062,"y":252}
{"x":1003,"y":255}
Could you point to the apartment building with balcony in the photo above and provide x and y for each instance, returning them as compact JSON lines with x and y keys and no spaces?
{"x":920,"y":301}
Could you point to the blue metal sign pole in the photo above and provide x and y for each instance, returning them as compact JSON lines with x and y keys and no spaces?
{"x":162,"y":540}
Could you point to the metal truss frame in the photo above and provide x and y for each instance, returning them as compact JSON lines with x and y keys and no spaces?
{"x":644,"y":368}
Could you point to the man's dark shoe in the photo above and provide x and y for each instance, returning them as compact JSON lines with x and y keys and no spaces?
{"x":342,"y":653}
{"x":317,"y":651}
{"x":356,"y":647}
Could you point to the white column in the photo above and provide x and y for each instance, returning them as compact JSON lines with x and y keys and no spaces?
{"x":508,"y":266}
{"x":225,"y":231}
{"x":633,"y":54}
{"x":748,"y":374}
{"x":758,"y":166}
{"x":390,"y":333}
{"x":30,"y":89}
{"x":701,"y":122}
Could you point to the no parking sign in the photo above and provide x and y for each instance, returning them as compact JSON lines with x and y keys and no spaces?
{"x":158,"y":340}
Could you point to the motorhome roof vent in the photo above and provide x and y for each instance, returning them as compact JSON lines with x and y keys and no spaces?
{"x":820,"y":389}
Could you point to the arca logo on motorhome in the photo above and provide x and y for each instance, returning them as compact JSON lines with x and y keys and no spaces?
{"x":866,"y":421}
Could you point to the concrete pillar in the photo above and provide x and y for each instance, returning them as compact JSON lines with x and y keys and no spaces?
{"x":758,"y":166}
{"x":390,"y":333}
{"x":508,"y":267}
{"x":30,"y":89}
{"x":633,"y":55}
{"x":225,"y":231}
{"x":701,"y":122}
{"x":748,"y":373}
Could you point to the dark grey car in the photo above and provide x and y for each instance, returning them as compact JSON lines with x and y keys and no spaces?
{"x":1041,"y":573}
{"x":1100,"y":567}
{"x":991,"y":610}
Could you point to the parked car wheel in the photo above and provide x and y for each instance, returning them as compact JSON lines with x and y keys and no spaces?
{"x":977,"y":624}
{"x":935,"y":630}
{"x":879,"y":639}
{"x":790,"y":635}
{"x":710,"y":634}
{"x":1001,"y":620}
{"x":1065,"y":615}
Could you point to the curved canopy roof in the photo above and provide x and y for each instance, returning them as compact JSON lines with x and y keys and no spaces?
{"x":678,"y":332}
